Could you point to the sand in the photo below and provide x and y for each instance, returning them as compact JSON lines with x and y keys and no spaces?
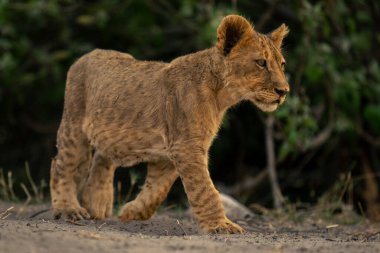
{"x":170,"y":231}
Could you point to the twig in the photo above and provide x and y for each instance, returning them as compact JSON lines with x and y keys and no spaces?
{"x":247,"y":185}
{"x":368,"y":236}
{"x":118,"y":192}
{"x":278,"y":198}
{"x":31,"y":181}
{"x":29,"y":196}
{"x":10,"y":186}
{"x":325,"y":134}
{"x":362,"y":213}
{"x":39,"y":212}
{"x":41,"y":190}
{"x":75,"y":223}
{"x":364,"y":177}
{"x":6,"y":213}
{"x":4,"y":185}
{"x":367,"y":137}
{"x":321,"y":138}
{"x":38,"y":127}
{"x":100,"y":227}
{"x":267,"y":14}
{"x":346,"y":185}
{"x":284,"y":10}
{"x":6,"y":216}
{"x":129,"y":193}
{"x":169,"y":207}
{"x":371,"y":189}
{"x":234,"y":4}
{"x":179,"y":224}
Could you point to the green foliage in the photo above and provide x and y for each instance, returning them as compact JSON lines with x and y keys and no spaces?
{"x":335,"y":74}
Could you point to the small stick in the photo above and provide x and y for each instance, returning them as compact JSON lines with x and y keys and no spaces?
{"x":368,"y":236}
{"x":75,"y":223}
{"x":101,"y":226}
{"x":332,"y":226}
{"x":4,"y":214}
{"x":3,"y":183}
{"x":10,"y":186}
{"x":179,"y":224}
{"x":39,"y":212}
{"x":31,"y":181}
{"x":29,"y":197}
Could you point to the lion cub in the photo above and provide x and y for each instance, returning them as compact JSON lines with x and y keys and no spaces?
{"x":120,"y":111}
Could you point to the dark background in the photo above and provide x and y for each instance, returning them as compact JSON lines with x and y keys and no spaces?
{"x":326,"y":135}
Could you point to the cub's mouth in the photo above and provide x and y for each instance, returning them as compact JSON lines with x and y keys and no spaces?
{"x":268,"y":106}
{"x":281,"y":99}
{"x":267,"y":101}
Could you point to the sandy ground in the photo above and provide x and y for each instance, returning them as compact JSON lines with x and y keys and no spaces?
{"x":171,"y":232}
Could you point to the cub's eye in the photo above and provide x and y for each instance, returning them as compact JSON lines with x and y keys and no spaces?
{"x":261,"y":63}
{"x":283,"y":66}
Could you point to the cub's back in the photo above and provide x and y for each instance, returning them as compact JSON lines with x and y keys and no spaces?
{"x":117,"y":80}
{"x":120,"y":90}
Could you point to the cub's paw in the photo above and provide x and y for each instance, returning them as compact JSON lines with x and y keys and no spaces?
{"x":72,"y":213}
{"x":98,"y":202}
{"x":134,"y":211}
{"x":222,"y":227}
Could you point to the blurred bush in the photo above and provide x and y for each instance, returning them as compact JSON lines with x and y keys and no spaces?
{"x":329,"y":125}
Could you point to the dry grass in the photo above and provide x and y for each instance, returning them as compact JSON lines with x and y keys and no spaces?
{"x":33,"y":193}
{"x":335,"y":207}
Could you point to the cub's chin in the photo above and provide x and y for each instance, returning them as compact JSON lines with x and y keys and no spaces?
{"x":266,"y":107}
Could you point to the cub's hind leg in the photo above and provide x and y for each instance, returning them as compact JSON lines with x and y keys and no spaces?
{"x":160,"y":178}
{"x":73,"y":157}
{"x":97,"y":194}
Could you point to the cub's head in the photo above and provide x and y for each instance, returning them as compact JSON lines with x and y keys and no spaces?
{"x":254,"y":62}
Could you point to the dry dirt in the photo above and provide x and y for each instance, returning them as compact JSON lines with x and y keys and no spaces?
{"x":173,"y":232}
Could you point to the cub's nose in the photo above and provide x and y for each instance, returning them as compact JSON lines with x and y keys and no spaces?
{"x":281,"y":91}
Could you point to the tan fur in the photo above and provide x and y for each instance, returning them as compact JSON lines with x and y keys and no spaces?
{"x":127,"y":111}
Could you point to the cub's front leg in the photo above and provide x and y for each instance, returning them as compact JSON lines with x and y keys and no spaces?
{"x":97,"y":194}
{"x":191,"y":163}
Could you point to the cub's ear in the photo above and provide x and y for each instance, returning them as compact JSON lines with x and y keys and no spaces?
{"x":279,"y":34}
{"x":233,"y":30}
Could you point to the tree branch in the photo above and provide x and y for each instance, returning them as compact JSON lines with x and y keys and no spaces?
{"x":247,"y":185}
{"x":278,"y":198}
